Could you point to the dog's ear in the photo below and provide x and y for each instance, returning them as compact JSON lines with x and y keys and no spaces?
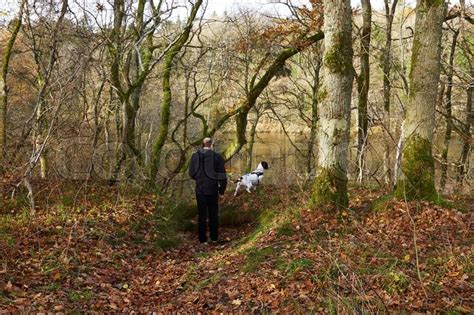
{"x":264,"y":165}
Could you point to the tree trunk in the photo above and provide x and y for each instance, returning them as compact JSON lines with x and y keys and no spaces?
{"x":314,"y":119}
{"x":467,"y":143}
{"x":166,"y":86}
{"x":386,"y":67}
{"x":330,"y":185}
{"x":448,"y":109}
{"x":42,"y":128}
{"x":3,"y":85}
{"x":417,"y":179}
{"x":363,"y":82}
{"x":253,"y":131}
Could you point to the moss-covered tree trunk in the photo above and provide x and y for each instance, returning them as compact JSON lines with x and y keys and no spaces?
{"x":417,"y":178}
{"x":363,"y":81}
{"x":240,"y":131}
{"x":131,"y":61}
{"x":3,"y":84}
{"x":448,"y":111}
{"x":330,"y":184}
{"x":166,"y":86}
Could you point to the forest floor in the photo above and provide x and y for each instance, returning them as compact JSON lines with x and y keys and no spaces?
{"x":103,"y":249}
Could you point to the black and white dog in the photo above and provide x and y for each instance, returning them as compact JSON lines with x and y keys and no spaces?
{"x":252,"y":180}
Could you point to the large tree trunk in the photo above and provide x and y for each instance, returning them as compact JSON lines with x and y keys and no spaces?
{"x":363,"y":81}
{"x":3,"y":84}
{"x":417,"y":178}
{"x":330,"y":185}
{"x":448,"y":109}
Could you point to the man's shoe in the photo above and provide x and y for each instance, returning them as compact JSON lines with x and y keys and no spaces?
{"x":203,"y":246}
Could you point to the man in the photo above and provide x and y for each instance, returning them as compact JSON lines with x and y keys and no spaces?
{"x":207,"y":169}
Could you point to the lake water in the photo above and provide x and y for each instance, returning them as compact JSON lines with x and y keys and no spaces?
{"x":288,"y":165}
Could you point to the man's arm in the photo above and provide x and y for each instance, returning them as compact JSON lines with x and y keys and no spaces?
{"x":194,"y":166}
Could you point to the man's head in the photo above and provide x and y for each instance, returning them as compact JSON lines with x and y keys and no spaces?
{"x":207,"y":142}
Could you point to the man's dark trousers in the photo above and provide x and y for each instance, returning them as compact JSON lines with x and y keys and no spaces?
{"x":207,"y":207}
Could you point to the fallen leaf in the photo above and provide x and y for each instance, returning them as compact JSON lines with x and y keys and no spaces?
{"x":56,"y":275}
{"x":8,"y":287}
{"x":58,"y":307}
{"x":237,"y":302}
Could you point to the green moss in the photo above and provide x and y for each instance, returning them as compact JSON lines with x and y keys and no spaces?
{"x":298,"y":265}
{"x":53,"y":287}
{"x":256,"y":256}
{"x":67,"y":201}
{"x":338,"y":58}
{"x":395,"y":282}
{"x":207,"y":282}
{"x":418,"y":172}
{"x":265,"y":220}
{"x":285,"y":230}
{"x":329,"y":188}
{"x":80,"y":296}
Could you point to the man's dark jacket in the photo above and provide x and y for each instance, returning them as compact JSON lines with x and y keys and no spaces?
{"x":207,"y":169}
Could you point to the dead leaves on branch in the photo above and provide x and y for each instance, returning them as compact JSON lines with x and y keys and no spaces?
{"x":283,"y":32}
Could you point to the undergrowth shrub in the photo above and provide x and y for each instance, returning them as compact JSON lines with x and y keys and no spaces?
{"x":171,"y":218}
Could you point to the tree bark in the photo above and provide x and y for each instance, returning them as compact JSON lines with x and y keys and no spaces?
{"x":386,"y":67}
{"x":166,"y":85}
{"x":417,"y":179}
{"x":314,"y":118}
{"x":363,"y":82}
{"x":467,"y":142}
{"x":253,"y":132}
{"x":330,"y":185}
{"x":448,"y":109}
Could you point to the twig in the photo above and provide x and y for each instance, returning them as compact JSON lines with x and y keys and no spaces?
{"x":415,"y":245}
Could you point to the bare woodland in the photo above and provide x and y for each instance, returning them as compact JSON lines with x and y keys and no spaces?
{"x":144,"y":89}
{"x":342,"y":102}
